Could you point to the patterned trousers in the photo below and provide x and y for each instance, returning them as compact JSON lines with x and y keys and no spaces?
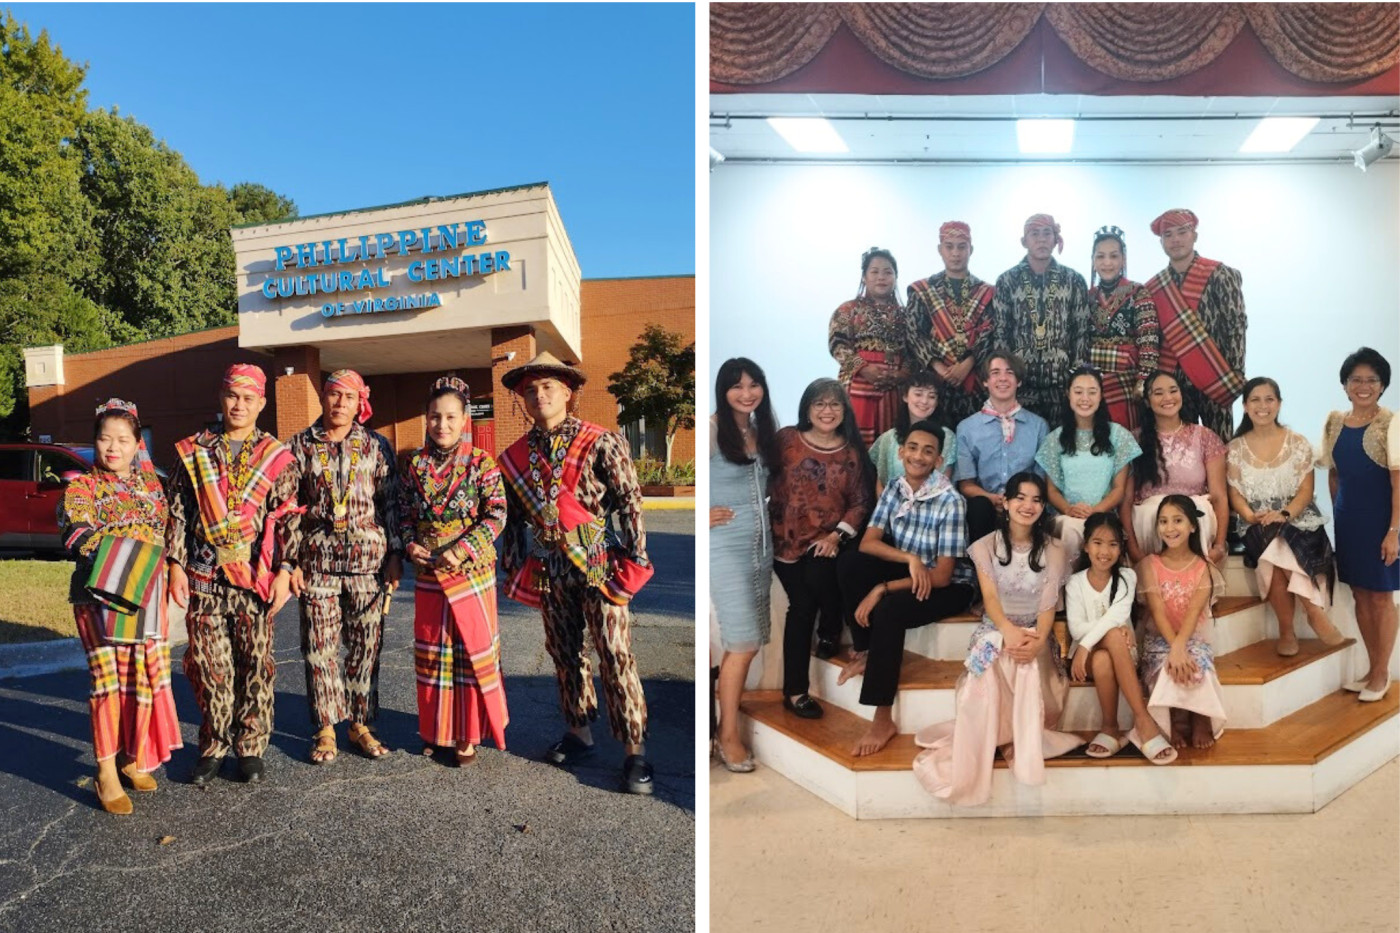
{"x":1197,"y":406}
{"x":569,"y":607}
{"x":341,"y":609}
{"x":229,"y":664}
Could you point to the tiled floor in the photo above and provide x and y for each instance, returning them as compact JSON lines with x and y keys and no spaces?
{"x":781,"y":859}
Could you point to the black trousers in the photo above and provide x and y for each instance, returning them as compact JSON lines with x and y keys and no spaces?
{"x":812,"y":591}
{"x":895,"y":615}
{"x":982,"y":518}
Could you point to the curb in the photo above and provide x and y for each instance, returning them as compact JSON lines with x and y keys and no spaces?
{"x":65,"y":654}
{"x":668,"y":504}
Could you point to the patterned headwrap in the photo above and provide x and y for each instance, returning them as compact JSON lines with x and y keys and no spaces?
{"x":143,"y":463}
{"x":953,"y":230}
{"x":1176,"y":217}
{"x":246,"y":376}
{"x":1045,"y":220}
{"x":351,"y":381}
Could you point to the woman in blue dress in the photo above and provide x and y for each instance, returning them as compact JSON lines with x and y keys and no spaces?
{"x":742,"y":448}
{"x":1085,"y":459}
{"x":1361,"y":452}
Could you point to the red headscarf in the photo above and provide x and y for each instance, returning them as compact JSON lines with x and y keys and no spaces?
{"x":351,"y":381}
{"x":246,"y":376}
{"x":1045,"y":220}
{"x":955,"y":229}
{"x":1176,"y":217}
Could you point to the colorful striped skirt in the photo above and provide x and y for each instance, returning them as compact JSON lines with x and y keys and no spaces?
{"x":457,"y":654}
{"x":875,"y":409}
{"x":133,"y":709}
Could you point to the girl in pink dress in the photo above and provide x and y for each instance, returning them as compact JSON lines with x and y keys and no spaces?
{"x":1013,"y":690}
{"x":1179,"y":585}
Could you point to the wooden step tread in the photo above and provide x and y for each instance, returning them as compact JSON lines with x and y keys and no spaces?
{"x":1226,"y":605}
{"x":1302,"y":738}
{"x":1252,"y":665}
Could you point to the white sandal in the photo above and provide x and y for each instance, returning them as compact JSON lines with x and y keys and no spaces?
{"x":1113,"y":745}
{"x":1155,"y":746}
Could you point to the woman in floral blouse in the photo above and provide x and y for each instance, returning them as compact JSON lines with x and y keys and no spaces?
{"x":867,"y":337}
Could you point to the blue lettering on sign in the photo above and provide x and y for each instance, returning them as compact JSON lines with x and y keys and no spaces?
{"x":476,"y":232}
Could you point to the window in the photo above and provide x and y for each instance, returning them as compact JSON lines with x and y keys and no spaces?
{"x":52,"y":466}
{"x":15,"y":465}
{"x":645,"y":441}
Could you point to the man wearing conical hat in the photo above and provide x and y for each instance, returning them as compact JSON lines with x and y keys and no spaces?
{"x":225,"y":542}
{"x":575,"y":547}
{"x":1200,"y":310}
{"x":349,"y":557}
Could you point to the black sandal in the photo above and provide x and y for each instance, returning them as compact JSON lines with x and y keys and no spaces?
{"x":636,"y":775}
{"x":803,"y":706}
{"x":568,"y":750}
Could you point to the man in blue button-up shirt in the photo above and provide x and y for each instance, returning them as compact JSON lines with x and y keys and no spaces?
{"x":996,"y":443}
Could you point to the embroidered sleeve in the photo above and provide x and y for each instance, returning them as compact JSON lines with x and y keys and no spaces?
{"x":1233,"y":465}
{"x":77,"y":517}
{"x":1079,"y":320}
{"x":980,"y":551}
{"x":289,"y":534}
{"x":841,"y":341}
{"x":1052,"y":577}
{"x":408,"y":508}
{"x":182,"y":509}
{"x":478,"y":545}
{"x":918,"y":336}
{"x":613,"y":466}
{"x":860,"y":495}
{"x":1125,"y":446}
{"x":1330,"y":430}
{"x":288,"y":531}
{"x":1212,"y":447}
{"x":1222,"y":312}
{"x":386,"y":495}
{"x":1002,"y":311}
{"x":880,"y":453}
{"x":1146,"y":577}
{"x":1147,"y":333}
{"x":1048,"y":456}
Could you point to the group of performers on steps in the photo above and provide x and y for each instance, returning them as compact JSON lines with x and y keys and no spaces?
{"x":967,"y":499}
{"x":249,"y":522}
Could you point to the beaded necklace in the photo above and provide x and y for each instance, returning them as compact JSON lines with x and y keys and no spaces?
{"x":240,"y":471}
{"x":547,"y":472}
{"x":340,"y":502}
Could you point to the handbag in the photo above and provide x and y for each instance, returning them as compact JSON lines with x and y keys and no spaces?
{"x":128,"y":580}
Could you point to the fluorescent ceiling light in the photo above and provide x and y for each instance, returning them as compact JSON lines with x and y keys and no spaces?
{"x":1045,"y":136}
{"x":808,"y":134}
{"x":1278,"y":134}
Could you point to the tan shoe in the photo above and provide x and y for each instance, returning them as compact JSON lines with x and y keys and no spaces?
{"x":120,"y":805}
{"x":137,"y":780}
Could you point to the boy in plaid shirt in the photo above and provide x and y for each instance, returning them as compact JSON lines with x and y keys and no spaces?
{"x":911,"y":570}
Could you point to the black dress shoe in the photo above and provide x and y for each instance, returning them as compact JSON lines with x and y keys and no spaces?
{"x":205,"y":770}
{"x":251,"y":768}
{"x":803,"y":706}
{"x":636,"y":775}
{"x":826,"y":649}
{"x":568,"y":750}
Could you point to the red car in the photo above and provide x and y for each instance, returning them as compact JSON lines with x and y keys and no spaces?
{"x":32,"y":478}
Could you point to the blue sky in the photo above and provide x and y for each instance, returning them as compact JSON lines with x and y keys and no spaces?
{"x":352,"y":105}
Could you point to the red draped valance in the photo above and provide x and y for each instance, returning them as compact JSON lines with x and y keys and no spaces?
{"x":1143,"y":43}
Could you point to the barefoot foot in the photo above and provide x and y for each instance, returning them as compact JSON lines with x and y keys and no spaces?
{"x":1179,"y":726}
{"x":1201,"y":734}
{"x":854,"y":668}
{"x":875,"y":738}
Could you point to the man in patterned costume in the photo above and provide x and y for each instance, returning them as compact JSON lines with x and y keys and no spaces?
{"x":575,"y":547}
{"x":948,"y":318}
{"x":228,"y":496}
{"x":1040,"y":312}
{"x":349,"y":559}
{"x":1200,"y":309}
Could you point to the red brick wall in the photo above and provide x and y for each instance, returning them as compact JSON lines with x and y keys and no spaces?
{"x":615,"y":312}
{"x":175,"y":382}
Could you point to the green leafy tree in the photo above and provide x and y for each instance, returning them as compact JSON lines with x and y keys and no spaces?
{"x":38,"y":310}
{"x":258,"y":204}
{"x":658,"y":383}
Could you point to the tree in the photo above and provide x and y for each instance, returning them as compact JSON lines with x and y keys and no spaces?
{"x":257,"y":204}
{"x":37,"y":310}
{"x":658,"y":383}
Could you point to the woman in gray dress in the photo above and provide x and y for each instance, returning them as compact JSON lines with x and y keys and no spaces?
{"x":742,"y":446}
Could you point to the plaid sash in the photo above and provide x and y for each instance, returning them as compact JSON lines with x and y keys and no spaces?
{"x":953,"y":329}
{"x":128,"y":580}
{"x":1185,"y":341}
{"x":583,"y":533}
{"x":477,"y":625}
{"x":232,"y":533}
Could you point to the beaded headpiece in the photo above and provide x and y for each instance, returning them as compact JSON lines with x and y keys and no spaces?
{"x":454,"y":383}
{"x":116,"y":404}
{"x":1108,"y":232}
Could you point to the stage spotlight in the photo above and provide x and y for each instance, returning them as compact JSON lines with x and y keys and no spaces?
{"x":1378,"y":148}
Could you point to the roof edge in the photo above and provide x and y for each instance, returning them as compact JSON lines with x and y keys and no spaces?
{"x":427,"y":199}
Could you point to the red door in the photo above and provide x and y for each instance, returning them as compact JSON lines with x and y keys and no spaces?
{"x":484,"y":436}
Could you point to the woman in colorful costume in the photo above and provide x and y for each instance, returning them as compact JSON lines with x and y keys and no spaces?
{"x":1123,"y":334}
{"x":453,"y":507}
{"x":113,"y":519}
{"x":867,"y":336}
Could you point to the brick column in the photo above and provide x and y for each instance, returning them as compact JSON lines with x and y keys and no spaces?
{"x":299,"y":394}
{"x":511,"y":422}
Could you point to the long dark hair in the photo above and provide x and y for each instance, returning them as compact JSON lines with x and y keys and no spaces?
{"x":1246,"y":422}
{"x":876,"y":252}
{"x":1193,"y":516}
{"x":1092,"y":524}
{"x":1069,"y":426}
{"x":729,"y":438}
{"x":1040,"y":531}
{"x":118,"y":414}
{"x":849,"y":430}
{"x":1150,"y":468}
{"x":921,"y":379}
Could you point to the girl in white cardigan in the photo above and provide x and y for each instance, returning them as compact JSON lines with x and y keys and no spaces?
{"x":1098,"y":604}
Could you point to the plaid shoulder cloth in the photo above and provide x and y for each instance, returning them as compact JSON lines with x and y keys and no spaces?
{"x":1185,"y":340}
{"x":232,"y":533}
{"x":582,"y":541}
{"x":954,"y":328}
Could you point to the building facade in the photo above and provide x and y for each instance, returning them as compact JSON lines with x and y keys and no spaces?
{"x":472,"y":284}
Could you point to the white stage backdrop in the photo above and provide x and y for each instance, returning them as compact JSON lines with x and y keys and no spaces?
{"x":1318,"y":247}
